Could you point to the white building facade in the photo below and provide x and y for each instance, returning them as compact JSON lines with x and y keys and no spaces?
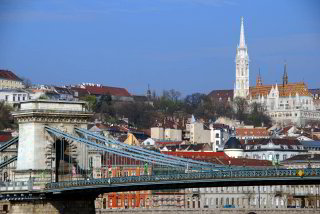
{"x":197,"y":132}
{"x":160,"y":133}
{"x":288,"y":103}
{"x":13,"y":96}
{"x":275,"y":150}
{"x":260,"y":196}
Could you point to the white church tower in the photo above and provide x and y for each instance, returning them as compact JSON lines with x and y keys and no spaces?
{"x":241,"y":87}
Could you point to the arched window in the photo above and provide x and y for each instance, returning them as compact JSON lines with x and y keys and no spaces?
{"x":5,"y":176}
{"x":91,"y":162}
{"x":104,"y":203}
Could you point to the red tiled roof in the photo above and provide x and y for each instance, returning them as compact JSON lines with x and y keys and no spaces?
{"x":221,"y":94}
{"x":219,"y":126}
{"x":246,"y":162}
{"x":81,"y":91}
{"x":9,"y":75}
{"x":259,"y":132}
{"x":220,"y":158}
{"x":103,"y":90}
{"x":286,"y":129}
{"x":284,"y":90}
{"x":162,"y":143}
{"x":276,"y":141}
{"x":5,"y":136}
{"x":196,"y":154}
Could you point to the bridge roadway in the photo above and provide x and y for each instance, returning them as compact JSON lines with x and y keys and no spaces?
{"x":188,"y":180}
{"x":210,"y":211}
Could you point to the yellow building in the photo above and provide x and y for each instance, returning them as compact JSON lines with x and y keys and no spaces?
{"x":132,"y":140}
{"x":8,"y":80}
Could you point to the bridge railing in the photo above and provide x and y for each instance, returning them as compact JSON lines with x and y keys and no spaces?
{"x":53,"y":111}
{"x":16,"y":186}
{"x":269,"y":173}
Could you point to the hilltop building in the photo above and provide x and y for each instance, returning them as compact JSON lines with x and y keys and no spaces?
{"x":286,"y":103}
{"x":8,"y":80}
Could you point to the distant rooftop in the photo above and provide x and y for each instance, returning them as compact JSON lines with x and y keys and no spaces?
{"x":9,"y":75}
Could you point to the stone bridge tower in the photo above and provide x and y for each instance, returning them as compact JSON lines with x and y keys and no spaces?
{"x":38,"y":150}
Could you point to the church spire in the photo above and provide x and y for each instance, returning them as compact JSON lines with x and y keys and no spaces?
{"x":242,"y":43}
{"x":285,"y":74}
{"x":259,"y":79}
{"x":242,"y":67}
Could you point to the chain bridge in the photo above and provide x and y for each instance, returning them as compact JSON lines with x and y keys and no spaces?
{"x":60,"y":165}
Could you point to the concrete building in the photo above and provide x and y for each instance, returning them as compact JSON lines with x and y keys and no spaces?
{"x":157,"y":133}
{"x":273,"y":149}
{"x":13,"y":96}
{"x":233,"y":148}
{"x":219,"y":134}
{"x":7,"y":173}
{"x":8,"y":80}
{"x":260,"y":196}
{"x":198,"y":133}
{"x":116,"y":93}
{"x":302,"y":161}
{"x":160,"y":133}
{"x":173,"y":134}
{"x":313,"y":147}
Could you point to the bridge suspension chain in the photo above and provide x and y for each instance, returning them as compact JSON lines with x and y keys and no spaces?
{"x":142,"y":151}
{"x":114,"y":151}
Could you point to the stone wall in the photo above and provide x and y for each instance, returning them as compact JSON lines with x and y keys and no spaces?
{"x":52,"y":207}
{"x":210,"y":211}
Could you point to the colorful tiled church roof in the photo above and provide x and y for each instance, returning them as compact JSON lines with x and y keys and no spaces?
{"x":284,"y":89}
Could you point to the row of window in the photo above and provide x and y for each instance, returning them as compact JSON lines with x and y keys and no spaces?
{"x":17,"y":97}
{"x":263,"y":189}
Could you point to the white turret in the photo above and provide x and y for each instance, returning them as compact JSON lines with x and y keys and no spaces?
{"x":241,"y":88}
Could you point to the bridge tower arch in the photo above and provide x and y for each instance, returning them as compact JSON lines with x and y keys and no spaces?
{"x":39,"y":151}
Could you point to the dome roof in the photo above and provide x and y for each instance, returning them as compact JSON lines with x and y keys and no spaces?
{"x":233,"y":143}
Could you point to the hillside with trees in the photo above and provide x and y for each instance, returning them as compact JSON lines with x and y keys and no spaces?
{"x":170,"y":103}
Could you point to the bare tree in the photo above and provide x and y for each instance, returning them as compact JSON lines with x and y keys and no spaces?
{"x":26,"y":82}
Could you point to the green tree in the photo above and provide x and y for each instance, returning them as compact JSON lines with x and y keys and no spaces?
{"x":193,"y":101}
{"x":104,"y":107}
{"x":139,"y":114}
{"x":241,"y":107}
{"x":91,"y":102}
{"x":169,"y":102}
{"x":257,"y":117}
{"x":6,"y":120}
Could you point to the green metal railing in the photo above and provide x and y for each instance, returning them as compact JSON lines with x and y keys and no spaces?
{"x":266,"y":173}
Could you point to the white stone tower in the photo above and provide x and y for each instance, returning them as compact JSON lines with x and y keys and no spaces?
{"x":241,"y":88}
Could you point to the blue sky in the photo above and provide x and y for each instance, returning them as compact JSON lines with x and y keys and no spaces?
{"x":187,"y":45}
